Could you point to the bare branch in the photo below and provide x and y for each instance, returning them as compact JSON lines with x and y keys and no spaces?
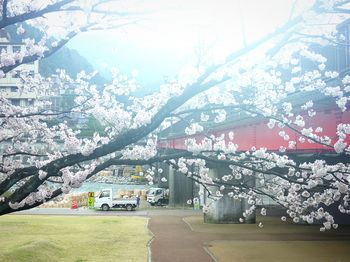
{"x":22,"y":153}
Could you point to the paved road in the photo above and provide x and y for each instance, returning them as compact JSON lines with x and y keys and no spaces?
{"x":158,"y":211}
{"x":174,"y":241}
{"x":80,"y":212}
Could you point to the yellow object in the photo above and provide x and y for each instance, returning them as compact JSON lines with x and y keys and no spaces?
{"x":105,"y":173}
{"x":138,"y":169}
{"x":135,"y":177}
{"x":91,"y":200}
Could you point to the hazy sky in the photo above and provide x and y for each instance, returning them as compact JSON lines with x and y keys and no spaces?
{"x":178,"y":32}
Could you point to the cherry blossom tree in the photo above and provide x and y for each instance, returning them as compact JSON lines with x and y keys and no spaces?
{"x":267,"y":80}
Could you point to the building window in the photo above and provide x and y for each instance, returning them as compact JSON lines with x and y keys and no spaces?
{"x":15,"y":102}
{"x":14,"y":89}
{"x":25,"y":160}
{"x":3,"y":48}
{"x":16,"y":74}
{"x":16,"y":48}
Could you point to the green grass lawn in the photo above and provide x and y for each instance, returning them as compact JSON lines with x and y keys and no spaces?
{"x":73,"y":238}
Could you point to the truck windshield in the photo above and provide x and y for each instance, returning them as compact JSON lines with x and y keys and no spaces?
{"x":104,"y":194}
{"x":155,"y":192}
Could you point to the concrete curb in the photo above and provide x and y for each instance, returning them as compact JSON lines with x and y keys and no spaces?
{"x":205,"y":247}
{"x":149,"y":257}
{"x":188,"y":224}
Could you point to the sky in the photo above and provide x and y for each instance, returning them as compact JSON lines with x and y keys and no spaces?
{"x":179,"y":33}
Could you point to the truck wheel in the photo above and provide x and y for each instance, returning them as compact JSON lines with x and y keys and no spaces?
{"x":105,"y":207}
{"x":159,"y":202}
{"x":129,"y":207}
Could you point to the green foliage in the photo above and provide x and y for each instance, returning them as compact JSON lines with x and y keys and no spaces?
{"x":6,"y":194}
{"x":92,"y":126}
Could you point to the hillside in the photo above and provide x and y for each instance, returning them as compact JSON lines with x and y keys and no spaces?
{"x":68,"y":59}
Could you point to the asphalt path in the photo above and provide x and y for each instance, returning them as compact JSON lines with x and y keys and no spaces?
{"x":153,"y":211}
{"x":174,"y":241}
{"x":80,"y":212}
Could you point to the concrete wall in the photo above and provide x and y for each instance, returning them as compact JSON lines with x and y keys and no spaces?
{"x":181,"y":189}
{"x":226,"y":210}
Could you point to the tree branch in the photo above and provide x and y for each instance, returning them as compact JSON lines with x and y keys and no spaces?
{"x":6,"y":21}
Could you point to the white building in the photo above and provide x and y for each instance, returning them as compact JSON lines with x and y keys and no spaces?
{"x":9,"y":84}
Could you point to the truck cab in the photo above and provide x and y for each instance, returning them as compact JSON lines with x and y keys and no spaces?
{"x":158,"y":196}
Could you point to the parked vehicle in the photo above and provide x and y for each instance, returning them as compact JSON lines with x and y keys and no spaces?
{"x":158,"y":196}
{"x":105,"y":201}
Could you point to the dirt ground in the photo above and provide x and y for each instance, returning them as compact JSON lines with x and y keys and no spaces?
{"x":277,"y":251}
